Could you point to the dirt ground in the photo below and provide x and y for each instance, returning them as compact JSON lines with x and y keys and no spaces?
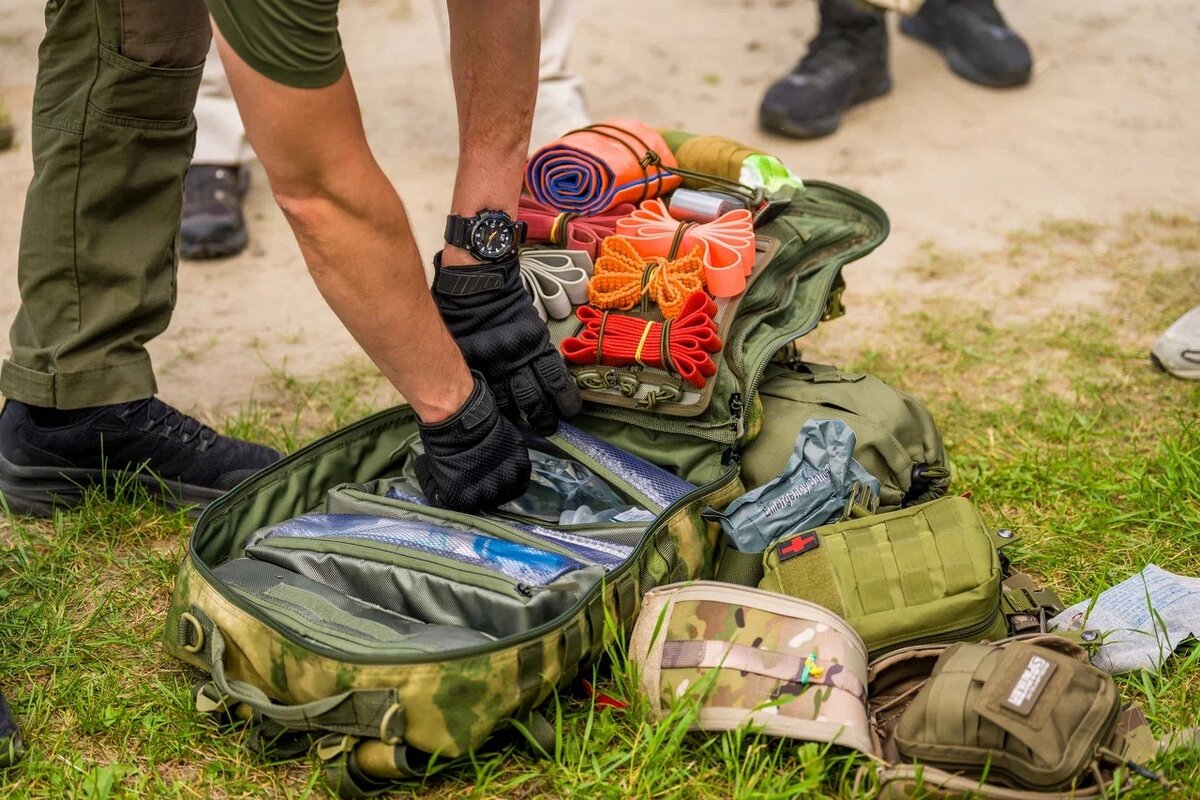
{"x":1110,"y":125}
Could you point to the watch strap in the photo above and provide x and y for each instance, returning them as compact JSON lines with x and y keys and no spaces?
{"x":458,"y":230}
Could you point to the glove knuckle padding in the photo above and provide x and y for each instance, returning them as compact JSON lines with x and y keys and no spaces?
{"x":474,"y":459}
{"x":528,"y":395}
{"x":556,"y":378}
{"x":501,"y":335}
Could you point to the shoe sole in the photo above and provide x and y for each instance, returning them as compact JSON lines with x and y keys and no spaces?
{"x":207,"y":250}
{"x":959,"y":64}
{"x":37,"y":491}
{"x":772,"y":122}
{"x":1185,"y":374}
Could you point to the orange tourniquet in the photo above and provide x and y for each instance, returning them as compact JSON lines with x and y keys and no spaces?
{"x":622,"y":278}
{"x":569,"y":231}
{"x":727,"y":243}
{"x":681,"y":345}
{"x":596,"y":168}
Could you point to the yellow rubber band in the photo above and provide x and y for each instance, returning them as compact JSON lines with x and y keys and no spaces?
{"x":637,"y":355}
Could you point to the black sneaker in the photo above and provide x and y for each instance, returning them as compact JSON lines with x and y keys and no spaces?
{"x":48,"y":457}
{"x":213,"y":225}
{"x":846,"y":63}
{"x":11,"y":745}
{"x":975,"y":40}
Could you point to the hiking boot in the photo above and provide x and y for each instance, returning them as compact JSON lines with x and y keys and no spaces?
{"x":1178,"y":350}
{"x":11,"y":745}
{"x":213,"y":225}
{"x":846,"y":63}
{"x":48,"y":457}
{"x":6,"y":127}
{"x":975,"y":40}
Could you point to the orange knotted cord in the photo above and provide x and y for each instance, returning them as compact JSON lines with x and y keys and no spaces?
{"x":622,"y":278}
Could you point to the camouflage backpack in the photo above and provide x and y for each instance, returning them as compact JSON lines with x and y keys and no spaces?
{"x":277,"y":611}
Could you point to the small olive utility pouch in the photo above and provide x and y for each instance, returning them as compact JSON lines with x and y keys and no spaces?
{"x":1026,"y":718}
{"x":929,"y":573}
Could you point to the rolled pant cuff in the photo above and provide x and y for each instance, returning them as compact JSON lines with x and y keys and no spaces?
{"x":122,"y":383}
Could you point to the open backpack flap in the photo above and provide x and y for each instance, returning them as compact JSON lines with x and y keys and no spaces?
{"x":326,"y":600}
{"x":795,"y":283}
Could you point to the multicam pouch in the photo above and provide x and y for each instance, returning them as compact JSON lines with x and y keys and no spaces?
{"x":784,"y":666}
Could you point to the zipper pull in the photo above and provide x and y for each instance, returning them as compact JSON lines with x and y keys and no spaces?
{"x":735,"y":411}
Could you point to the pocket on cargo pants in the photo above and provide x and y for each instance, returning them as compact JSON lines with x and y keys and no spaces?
{"x":112,"y":140}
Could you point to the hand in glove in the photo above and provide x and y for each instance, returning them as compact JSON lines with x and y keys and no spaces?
{"x":500,"y":334}
{"x":475,"y":458}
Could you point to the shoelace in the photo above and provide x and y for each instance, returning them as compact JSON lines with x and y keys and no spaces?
{"x":172,"y":421}
{"x":623,"y":278}
{"x":984,"y":10}
{"x":832,"y":44}
{"x":681,"y":346}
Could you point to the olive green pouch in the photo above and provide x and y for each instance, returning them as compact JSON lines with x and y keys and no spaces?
{"x":929,"y":573}
{"x":897,"y":440}
{"x":1026,"y":718}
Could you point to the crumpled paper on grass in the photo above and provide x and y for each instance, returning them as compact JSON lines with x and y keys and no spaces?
{"x":813,"y":489}
{"x":1141,"y":620}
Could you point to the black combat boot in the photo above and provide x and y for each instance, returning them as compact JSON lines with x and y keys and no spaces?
{"x":846,"y":63}
{"x":975,"y":40}
{"x":49,"y":457}
{"x":213,"y":224}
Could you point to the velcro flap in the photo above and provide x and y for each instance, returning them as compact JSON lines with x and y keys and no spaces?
{"x":1023,"y":688}
{"x":797,"y":566}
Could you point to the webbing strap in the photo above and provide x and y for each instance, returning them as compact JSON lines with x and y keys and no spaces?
{"x":373,"y":713}
{"x":871,"y":582}
{"x":781,"y":666}
{"x":744,"y":569}
{"x":908,"y":551}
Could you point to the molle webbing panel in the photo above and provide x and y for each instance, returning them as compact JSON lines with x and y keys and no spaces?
{"x":925,"y":573}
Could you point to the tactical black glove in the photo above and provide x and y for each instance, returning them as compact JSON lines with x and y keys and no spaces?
{"x":500,"y":334}
{"x":474,"y":459}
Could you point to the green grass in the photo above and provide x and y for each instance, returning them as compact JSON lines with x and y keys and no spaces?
{"x":1055,"y":421}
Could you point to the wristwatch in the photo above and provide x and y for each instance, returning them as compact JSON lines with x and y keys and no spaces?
{"x":488,"y":236}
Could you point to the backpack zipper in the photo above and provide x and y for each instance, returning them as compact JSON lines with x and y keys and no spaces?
{"x":398,"y":659}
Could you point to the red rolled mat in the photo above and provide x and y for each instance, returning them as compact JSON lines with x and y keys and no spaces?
{"x":594,"y":169}
{"x":680,"y":346}
{"x":569,"y":231}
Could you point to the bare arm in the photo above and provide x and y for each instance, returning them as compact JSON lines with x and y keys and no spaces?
{"x":494,"y":60}
{"x":353,"y":231}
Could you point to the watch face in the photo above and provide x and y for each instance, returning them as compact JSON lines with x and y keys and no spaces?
{"x":492,"y":237}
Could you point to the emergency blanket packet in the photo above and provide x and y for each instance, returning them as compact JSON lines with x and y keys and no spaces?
{"x":1143,"y":619}
{"x":814,"y":489}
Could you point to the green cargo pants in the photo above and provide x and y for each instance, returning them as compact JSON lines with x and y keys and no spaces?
{"x":112,"y":138}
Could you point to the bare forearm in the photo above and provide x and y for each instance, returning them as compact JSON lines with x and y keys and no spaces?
{"x":353,"y":232}
{"x":494,"y":60}
{"x":361,"y":254}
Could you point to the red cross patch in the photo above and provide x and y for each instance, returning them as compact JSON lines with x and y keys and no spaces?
{"x":797,"y":545}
